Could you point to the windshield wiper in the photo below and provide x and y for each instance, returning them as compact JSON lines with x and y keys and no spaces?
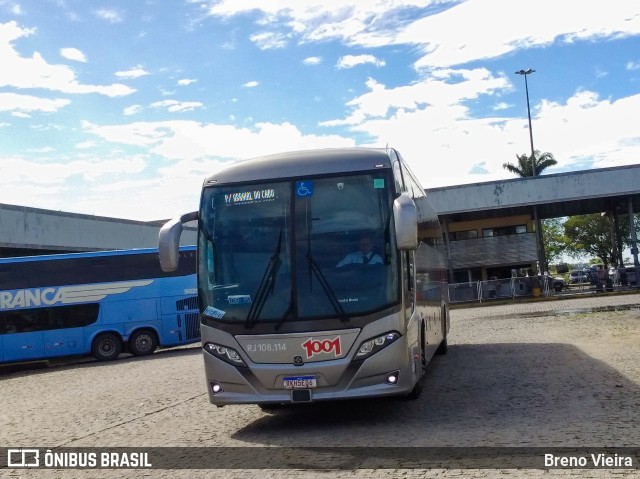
{"x":267,"y":284}
{"x":326,"y":287}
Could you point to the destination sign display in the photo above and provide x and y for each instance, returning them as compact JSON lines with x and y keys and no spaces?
{"x":250,"y":196}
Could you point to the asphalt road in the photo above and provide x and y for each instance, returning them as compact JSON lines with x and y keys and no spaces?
{"x":546,"y":374}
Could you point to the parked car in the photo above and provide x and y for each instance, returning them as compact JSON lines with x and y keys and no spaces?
{"x":627,"y":275}
{"x":557,"y":283}
{"x":579,"y":276}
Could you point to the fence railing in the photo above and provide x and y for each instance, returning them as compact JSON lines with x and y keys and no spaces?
{"x":509,"y":288}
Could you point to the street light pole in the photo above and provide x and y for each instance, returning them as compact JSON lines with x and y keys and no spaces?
{"x":542,"y":261}
{"x":524,"y":73}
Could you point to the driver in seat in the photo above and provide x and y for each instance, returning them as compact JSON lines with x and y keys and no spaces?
{"x":364,"y":255}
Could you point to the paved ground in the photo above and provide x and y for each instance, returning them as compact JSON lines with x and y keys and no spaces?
{"x":541,"y":374}
{"x":560,"y":304}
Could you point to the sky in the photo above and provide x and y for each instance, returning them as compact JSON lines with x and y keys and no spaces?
{"x":121,"y":108}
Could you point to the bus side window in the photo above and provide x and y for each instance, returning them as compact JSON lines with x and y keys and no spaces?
{"x":27,"y":321}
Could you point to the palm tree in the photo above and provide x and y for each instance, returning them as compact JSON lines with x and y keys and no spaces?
{"x":524,"y":166}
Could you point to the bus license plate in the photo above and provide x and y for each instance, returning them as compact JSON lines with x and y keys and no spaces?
{"x":300,"y":382}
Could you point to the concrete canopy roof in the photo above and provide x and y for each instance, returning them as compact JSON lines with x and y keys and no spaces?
{"x":556,"y":195}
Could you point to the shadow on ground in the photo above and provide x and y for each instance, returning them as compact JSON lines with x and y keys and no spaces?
{"x":477,"y":395}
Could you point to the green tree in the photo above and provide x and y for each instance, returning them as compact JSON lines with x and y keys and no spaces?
{"x":593,"y":235}
{"x":524,"y":167}
{"x":555,"y":241}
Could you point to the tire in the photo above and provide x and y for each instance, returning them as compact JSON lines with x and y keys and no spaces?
{"x":142,"y":342}
{"x":271,"y":407}
{"x":416,"y":391}
{"x":443,"y":347}
{"x":557,"y":288}
{"x":106,"y":347}
{"x":417,"y":388}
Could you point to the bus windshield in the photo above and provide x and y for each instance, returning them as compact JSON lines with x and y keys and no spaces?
{"x":303,"y":249}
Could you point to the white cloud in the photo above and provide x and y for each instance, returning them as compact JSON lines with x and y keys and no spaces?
{"x":633,"y":66}
{"x":73,"y":54}
{"x":132,"y":110}
{"x":312,"y":61}
{"x":111,"y":16}
{"x":351,"y":21}
{"x":85,"y":145}
{"x":350,"y":61}
{"x":43,"y":150}
{"x":15,"y":102}
{"x":135,"y":72}
{"x":269,"y":40}
{"x":35,"y":72}
{"x":436,"y":91}
{"x":192,"y":140}
{"x":379,"y":23}
{"x":186,"y":81}
{"x":550,"y":21}
{"x":251,"y":84}
{"x":177,"y":106}
{"x":33,"y":172}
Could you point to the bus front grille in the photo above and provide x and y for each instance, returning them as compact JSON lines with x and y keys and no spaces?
{"x":192,"y":325}
{"x":187,"y":304}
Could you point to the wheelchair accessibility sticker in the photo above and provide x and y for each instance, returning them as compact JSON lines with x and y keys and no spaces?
{"x":304,"y":189}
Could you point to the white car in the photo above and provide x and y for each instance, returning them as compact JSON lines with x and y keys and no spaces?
{"x":578,"y":276}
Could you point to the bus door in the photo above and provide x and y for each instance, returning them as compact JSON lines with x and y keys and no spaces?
{"x":24,"y":338}
{"x":65,"y":335}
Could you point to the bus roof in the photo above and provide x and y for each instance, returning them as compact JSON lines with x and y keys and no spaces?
{"x":85,"y":254}
{"x":303,"y":163}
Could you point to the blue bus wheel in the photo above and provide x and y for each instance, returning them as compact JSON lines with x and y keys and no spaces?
{"x":106,"y":346}
{"x":142,"y":342}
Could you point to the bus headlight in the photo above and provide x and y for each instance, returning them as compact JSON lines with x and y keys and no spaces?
{"x":228,"y":355}
{"x":373,"y":345}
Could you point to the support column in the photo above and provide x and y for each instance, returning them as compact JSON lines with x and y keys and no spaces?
{"x":634,"y":239}
{"x":445,"y":225}
{"x":617,"y":237}
{"x":614,"y":241}
{"x":542,"y":261}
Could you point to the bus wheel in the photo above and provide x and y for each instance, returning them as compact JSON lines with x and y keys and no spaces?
{"x":417,"y":389}
{"x":106,"y":347}
{"x":143,"y":342}
{"x":271,"y":407}
{"x":443,"y":348}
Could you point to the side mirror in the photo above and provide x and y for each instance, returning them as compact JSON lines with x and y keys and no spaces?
{"x":405,"y":217}
{"x":169,"y":241}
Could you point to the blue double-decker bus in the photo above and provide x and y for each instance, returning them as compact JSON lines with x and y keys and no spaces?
{"x":100,"y":303}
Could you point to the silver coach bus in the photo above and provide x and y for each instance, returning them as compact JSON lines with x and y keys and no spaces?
{"x":321,"y":275}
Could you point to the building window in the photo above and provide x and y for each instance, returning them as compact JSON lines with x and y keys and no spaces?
{"x":504,"y":231}
{"x":463,"y":235}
